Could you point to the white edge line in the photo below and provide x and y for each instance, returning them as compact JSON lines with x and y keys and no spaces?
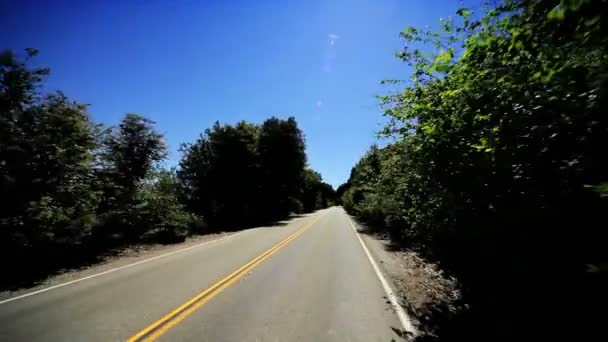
{"x":403,"y":317}
{"x":46,"y":289}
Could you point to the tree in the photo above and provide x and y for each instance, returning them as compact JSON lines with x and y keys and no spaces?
{"x":46,"y":160}
{"x":19,"y":85}
{"x":316,"y":194}
{"x":363,"y":196}
{"x":130,"y":154}
{"x":282,"y":154}
{"x":162,"y":214}
{"x":311,"y":190}
{"x":245,"y":174}
{"x":128,"y":158}
{"x":220,"y":174}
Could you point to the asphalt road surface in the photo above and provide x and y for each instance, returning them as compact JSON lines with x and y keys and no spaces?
{"x":307,"y":280}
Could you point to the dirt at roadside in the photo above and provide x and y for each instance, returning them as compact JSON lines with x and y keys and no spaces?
{"x":419,"y":284}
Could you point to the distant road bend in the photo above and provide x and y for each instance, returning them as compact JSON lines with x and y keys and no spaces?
{"x":308,"y":280}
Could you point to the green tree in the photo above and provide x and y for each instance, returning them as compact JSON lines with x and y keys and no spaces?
{"x":46,"y":160}
{"x":316,"y":194}
{"x":219,"y":173}
{"x":130,"y":154}
{"x":245,"y":174}
{"x":129,"y":157}
{"x":327,"y":196}
{"x":362,"y":198}
{"x":162,"y":214}
{"x":311,"y":190}
{"x":282,"y":158}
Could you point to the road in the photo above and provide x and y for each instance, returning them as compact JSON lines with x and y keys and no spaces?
{"x":307,"y":280}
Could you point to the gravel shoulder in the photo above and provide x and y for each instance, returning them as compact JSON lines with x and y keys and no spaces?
{"x":114,"y":259}
{"x":419,"y":284}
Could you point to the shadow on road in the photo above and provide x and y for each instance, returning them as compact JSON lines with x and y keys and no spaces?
{"x":35,"y":272}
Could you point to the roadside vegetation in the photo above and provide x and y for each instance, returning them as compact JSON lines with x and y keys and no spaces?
{"x":73,"y":189}
{"x":497,"y":170}
{"x":250,"y":174}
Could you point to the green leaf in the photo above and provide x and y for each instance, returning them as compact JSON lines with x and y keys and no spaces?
{"x":428,"y":129}
{"x":557,"y":13}
{"x":442,"y":62}
{"x":464,"y":12}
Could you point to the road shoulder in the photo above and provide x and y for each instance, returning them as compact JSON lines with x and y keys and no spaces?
{"x":418,"y":284}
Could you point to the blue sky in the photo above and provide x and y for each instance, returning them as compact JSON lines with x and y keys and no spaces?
{"x":186,"y":64}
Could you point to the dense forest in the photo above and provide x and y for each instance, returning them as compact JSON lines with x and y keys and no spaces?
{"x":73,"y":189}
{"x":497,"y":168}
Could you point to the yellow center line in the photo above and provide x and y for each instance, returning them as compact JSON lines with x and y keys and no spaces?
{"x":156,"y":329}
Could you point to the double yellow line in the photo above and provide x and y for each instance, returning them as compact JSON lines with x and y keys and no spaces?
{"x":156,"y":329}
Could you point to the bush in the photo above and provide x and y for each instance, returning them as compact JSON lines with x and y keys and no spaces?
{"x":164,"y":219}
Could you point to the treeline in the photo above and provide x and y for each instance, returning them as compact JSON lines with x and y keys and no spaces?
{"x":72,"y":189}
{"x":498,"y":171}
{"x":247,"y":173}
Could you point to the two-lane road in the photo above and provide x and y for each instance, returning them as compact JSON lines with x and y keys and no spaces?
{"x":308,"y":280}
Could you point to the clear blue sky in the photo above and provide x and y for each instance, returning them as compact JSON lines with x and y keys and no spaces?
{"x":186,"y":64}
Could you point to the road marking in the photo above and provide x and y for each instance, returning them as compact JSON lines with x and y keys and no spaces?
{"x":118,"y":268}
{"x":406,"y":323}
{"x":159,"y":327}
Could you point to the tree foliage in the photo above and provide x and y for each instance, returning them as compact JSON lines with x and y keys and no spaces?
{"x":163,"y":217}
{"x":247,"y":174}
{"x":130,"y":153}
{"x":499,"y":165}
{"x":282,"y":159}
{"x":315,"y":194}
{"x":135,"y":201}
{"x":45,"y":167}
{"x":220,"y":173}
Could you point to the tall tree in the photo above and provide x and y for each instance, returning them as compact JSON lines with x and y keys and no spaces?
{"x":220,"y":174}
{"x":282,"y":156}
{"x":316,"y":194}
{"x":311,"y":190}
{"x":46,"y":160}
{"x":129,"y":156}
{"x":245,"y":174}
